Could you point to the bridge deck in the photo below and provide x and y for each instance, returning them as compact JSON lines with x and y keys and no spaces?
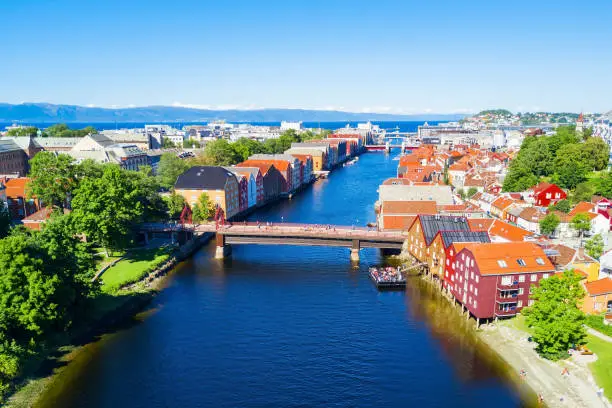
{"x":314,"y":234}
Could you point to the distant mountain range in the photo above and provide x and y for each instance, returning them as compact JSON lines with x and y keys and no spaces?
{"x":50,"y":113}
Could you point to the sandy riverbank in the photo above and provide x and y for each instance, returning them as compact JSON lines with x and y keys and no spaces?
{"x":578,"y":389}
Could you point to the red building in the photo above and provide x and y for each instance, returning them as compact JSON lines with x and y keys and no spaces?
{"x":19,"y":205}
{"x":494,"y":280}
{"x":243,"y":192}
{"x":545,"y":194}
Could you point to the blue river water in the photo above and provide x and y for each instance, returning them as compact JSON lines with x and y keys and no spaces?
{"x":277,"y":326}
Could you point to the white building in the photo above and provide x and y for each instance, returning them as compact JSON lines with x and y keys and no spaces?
{"x":297,"y":126}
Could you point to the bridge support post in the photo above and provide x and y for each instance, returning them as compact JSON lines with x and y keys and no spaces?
{"x":355,"y":251}
{"x":222,"y":250}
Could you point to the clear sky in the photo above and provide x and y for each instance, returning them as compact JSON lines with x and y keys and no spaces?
{"x":377,"y":55}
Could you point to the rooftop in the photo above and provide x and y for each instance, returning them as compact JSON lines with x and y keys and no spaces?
{"x":204,"y":178}
{"x":509,"y":257}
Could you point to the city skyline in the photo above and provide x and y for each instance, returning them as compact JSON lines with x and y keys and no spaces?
{"x":387,"y":57}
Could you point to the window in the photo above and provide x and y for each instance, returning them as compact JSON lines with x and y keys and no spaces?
{"x":539,"y":261}
{"x":519,"y":303}
{"x":521,"y":291}
{"x":476,"y":291}
{"x":471,"y":287}
{"x":475,"y":303}
{"x":472,"y":275}
{"x":521,"y":262}
{"x":521,"y":278}
{"x":477,"y":278}
{"x":502,"y":263}
{"x":534,"y":277}
{"x":446,"y":274}
{"x":544,"y":276}
{"x":506,"y":280}
{"x":447,"y":262}
{"x":530,"y":302}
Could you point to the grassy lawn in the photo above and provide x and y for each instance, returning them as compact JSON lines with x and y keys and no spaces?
{"x":131,"y":269}
{"x":596,"y":322}
{"x":518,"y":323}
{"x":602,"y":368}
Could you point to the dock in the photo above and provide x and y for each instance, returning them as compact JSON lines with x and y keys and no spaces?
{"x":388,"y":278}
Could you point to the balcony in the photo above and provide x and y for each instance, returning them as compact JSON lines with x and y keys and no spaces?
{"x":507,"y":298}
{"x":510,"y":286}
{"x":506,"y":312}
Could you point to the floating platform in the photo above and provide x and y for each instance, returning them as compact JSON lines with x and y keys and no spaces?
{"x":387,"y":278}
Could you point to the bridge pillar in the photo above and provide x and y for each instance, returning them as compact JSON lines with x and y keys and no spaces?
{"x":355,"y":251}
{"x":222,"y":250}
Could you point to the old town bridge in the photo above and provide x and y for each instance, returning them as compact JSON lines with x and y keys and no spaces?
{"x":240,"y":233}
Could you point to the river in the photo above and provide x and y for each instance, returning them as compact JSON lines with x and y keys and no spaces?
{"x":277,"y":326}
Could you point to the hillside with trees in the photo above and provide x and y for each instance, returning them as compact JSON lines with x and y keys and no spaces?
{"x":567,"y":158}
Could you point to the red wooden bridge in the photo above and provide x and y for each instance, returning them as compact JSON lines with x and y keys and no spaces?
{"x":238,"y":233}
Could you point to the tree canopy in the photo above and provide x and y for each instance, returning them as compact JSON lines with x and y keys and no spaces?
{"x":204,"y":208}
{"x":581,"y":223}
{"x":595,"y":246}
{"x":23,"y":131}
{"x":170,"y":167}
{"x":63,"y":130}
{"x":556,"y":316}
{"x":549,"y":224}
{"x":104,"y":208}
{"x":53,"y":177}
{"x":564,"y":157}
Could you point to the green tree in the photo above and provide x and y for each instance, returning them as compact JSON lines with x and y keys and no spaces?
{"x":549,"y":224}
{"x":204,"y":209}
{"x":472,"y":191}
{"x":570,"y":166}
{"x":23,"y":131}
{"x":519,"y":178}
{"x":53,"y":178}
{"x":562,"y":205}
{"x":5,"y":221}
{"x":105,"y":208}
{"x":583,"y":192}
{"x":89,"y":168}
{"x":461,"y":193}
{"x":594,"y":246}
{"x":245,"y":147}
{"x":191,"y":144}
{"x":221,"y":153}
{"x":168,"y":144}
{"x":556,"y":316}
{"x":170,"y":167}
{"x":596,"y":153}
{"x":62,"y":130}
{"x":564,"y":135}
{"x":175,"y":204}
{"x":581,"y":223}
{"x":153,"y":205}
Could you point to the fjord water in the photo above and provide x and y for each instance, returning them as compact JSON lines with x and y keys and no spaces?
{"x":278,"y":326}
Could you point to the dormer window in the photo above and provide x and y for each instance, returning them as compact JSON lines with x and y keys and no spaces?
{"x":521,"y":262}
{"x":539,"y":261}
{"x":502,"y":263}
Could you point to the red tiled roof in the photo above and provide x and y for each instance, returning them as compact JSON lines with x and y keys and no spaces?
{"x":487,"y":257}
{"x":263,"y":167}
{"x":480,"y":224}
{"x":16,"y":187}
{"x":398,"y":222}
{"x":599,"y":287}
{"x":582,"y":207}
{"x":508,"y":231}
{"x":409,"y":207}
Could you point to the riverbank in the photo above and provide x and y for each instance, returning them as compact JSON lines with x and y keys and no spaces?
{"x":110,"y":311}
{"x":578,"y":389}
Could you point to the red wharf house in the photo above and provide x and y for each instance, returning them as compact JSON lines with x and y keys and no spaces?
{"x":494,"y":280}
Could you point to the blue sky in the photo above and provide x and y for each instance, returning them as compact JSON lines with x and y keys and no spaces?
{"x":383,"y":56}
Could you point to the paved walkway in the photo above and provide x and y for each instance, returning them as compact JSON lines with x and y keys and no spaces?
{"x":599,"y":334}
